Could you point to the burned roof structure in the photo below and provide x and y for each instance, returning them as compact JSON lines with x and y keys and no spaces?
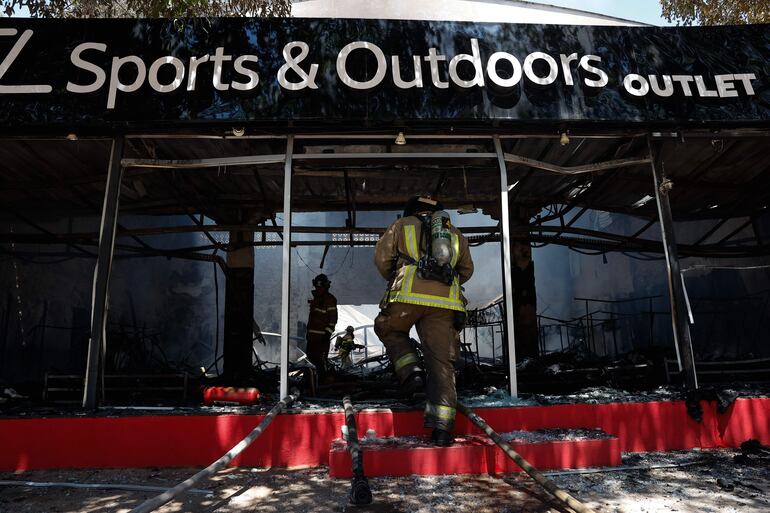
{"x":714,"y":176}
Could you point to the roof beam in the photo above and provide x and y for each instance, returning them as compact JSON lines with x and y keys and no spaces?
{"x":736,"y":231}
{"x":575,"y":170}
{"x":711,"y":231}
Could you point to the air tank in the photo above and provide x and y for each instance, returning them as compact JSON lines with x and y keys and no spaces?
{"x":441,"y":237}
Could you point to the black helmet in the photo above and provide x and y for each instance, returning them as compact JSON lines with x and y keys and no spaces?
{"x":321,"y":281}
{"x":350,"y":329}
{"x":417,"y":204}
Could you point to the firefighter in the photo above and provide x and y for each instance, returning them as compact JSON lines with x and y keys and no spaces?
{"x":346,"y":344}
{"x":423,"y":293}
{"x":321,"y":322}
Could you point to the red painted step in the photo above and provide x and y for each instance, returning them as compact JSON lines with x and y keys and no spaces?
{"x":559,"y":449}
{"x":474,"y":454}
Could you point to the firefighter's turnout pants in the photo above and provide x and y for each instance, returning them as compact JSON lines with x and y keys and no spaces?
{"x":440,"y":349}
{"x":318,"y":350}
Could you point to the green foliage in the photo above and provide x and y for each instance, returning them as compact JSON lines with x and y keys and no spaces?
{"x":147,"y":8}
{"x":716,"y":12}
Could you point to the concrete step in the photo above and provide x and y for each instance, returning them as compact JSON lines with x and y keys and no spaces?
{"x":550,"y":449}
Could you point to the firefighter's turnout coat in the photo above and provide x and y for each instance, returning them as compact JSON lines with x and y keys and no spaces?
{"x":396,"y":257}
{"x":322,"y":318}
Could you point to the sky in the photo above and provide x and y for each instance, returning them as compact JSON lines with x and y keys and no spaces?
{"x":646,"y":11}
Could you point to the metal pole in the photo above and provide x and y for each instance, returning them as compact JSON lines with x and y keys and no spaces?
{"x":505,"y":241}
{"x":286,"y":268}
{"x":540,"y":336}
{"x":494,"y":355}
{"x":603,"y":329}
{"x":652,"y":325}
{"x":102,"y":271}
{"x":681,"y":328}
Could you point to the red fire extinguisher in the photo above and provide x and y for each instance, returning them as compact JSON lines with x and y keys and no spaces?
{"x":230,"y":395}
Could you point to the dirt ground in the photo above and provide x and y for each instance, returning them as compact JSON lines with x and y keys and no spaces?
{"x":703,"y":482}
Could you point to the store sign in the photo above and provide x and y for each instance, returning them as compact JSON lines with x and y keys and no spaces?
{"x":97,"y":72}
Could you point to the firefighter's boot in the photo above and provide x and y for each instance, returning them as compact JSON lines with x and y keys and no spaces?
{"x":413,"y":388}
{"x":442,"y":438}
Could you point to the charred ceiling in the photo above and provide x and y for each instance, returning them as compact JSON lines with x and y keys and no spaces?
{"x":238,"y":183}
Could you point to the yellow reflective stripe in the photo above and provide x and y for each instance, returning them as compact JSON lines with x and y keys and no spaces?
{"x":411,"y":241}
{"x":317,"y":332}
{"x":404,"y":361}
{"x":330,"y":330}
{"x":440,"y":411}
{"x":455,"y":249}
{"x":442,"y":299}
{"x":408,"y":283}
{"x":425,"y":302}
{"x":406,"y":295}
{"x":454,"y":292}
{"x":331,"y":308}
{"x":429,"y":296}
{"x":322,"y":310}
{"x":408,"y":279}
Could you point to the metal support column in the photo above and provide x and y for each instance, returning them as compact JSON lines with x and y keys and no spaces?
{"x":99,"y":295}
{"x":679,"y":317}
{"x":238,"y":345}
{"x":286,"y":268}
{"x":505,"y":241}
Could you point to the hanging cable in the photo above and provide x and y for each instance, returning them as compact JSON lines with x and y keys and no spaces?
{"x":339,"y":268}
{"x":342,"y":263}
{"x":296,"y":252}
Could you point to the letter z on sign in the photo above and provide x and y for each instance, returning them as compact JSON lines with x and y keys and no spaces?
{"x":8,"y":60}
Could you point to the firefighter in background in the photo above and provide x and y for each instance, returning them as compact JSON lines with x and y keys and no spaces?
{"x":524,"y":301}
{"x":425,"y":260}
{"x":346,"y":344}
{"x":321,"y":322}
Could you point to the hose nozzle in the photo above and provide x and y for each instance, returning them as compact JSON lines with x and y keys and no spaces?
{"x":360,"y":493}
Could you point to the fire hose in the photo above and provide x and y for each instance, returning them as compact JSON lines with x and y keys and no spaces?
{"x":535,"y":474}
{"x":159,"y":500}
{"x":360,"y":493}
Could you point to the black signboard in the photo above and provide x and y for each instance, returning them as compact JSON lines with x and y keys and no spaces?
{"x":65,"y":74}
